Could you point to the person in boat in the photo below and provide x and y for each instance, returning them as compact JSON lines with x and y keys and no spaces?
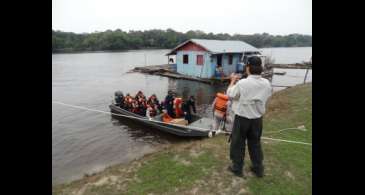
{"x":177,"y":107}
{"x":135,"y":106}
{"x":169,"y":103}
{"x":249,"y":97}
{"x":138,"y":104}
{"x":220,"y":105}
{"x":153,"y":101}
{"x":150,"y":111}
{"x":128,"y":100}
{"x":139,"y":95}
{"x":142,"y":107}
{"x":187,"y":106}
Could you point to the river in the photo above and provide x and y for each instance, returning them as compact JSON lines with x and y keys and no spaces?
{"x":87,"y":142}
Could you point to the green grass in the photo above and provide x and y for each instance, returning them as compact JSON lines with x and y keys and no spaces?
{"x":199,"y":167}
{"x":290,"y":165}
{"x":164,"y":173}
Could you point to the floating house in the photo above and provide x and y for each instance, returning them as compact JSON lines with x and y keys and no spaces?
{"x":211,"y":58}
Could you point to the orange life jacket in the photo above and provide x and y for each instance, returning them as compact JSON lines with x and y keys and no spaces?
{"x":166,"y":118}
{"x":221,"y":103}
{"x":178,"y":110}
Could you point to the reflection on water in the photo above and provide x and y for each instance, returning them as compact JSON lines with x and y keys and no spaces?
{"x":84,"y":141}
{"x":204,"y":93}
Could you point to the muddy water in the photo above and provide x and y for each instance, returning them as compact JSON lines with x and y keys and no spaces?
{"x":86,"y":142}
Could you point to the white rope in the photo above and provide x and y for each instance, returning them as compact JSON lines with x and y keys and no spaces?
{"x":139,"y":118}
{"x":301,"y":128}
{"x":288,"y":141}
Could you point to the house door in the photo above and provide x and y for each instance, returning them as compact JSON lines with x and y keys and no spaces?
{"x":219,"y":60}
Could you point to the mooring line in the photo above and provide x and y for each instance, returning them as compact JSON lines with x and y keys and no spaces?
{"x":127,"y":116}
{"x":288,"y":141}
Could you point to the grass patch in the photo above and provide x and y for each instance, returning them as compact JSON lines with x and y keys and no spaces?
{"x":168,"y":171}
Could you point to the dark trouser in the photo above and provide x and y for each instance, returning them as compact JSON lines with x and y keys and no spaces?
{"x":188,"y":116}
{"x":170,"y":111}
{"x":250,"y":129}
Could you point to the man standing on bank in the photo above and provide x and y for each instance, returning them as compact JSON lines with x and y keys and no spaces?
{"x":249,"y":99}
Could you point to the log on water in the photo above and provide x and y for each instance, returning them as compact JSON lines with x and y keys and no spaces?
{"x":292,"y":66}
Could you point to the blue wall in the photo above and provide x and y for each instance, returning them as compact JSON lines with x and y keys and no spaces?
{"x":191,"y":69}
{"x":227,"y":68}
{"x":208,"y":70}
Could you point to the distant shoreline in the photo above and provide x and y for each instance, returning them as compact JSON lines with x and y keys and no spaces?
{"x":102,"y":51}
{"x":126,"y":50}
{"x":122,"y":40}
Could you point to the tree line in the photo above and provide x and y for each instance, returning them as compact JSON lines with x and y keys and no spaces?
{"x":166,"y":39}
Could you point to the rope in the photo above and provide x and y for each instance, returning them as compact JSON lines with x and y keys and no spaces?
{"x":294,"y":128}
{"x":139,"y":118}
{"x":288,"y":141}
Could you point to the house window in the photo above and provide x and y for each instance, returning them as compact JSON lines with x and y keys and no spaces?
{"x":199,"y":59}
{"x":230,"y":59}
{"x":185,"y":59}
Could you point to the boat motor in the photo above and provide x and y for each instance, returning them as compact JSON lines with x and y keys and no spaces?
{"x":118,"y":97}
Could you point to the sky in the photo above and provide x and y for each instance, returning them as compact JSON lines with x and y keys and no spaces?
{"x":276,"y":17}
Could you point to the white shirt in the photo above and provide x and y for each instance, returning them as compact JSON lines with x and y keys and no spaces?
{"x":249,"y":96}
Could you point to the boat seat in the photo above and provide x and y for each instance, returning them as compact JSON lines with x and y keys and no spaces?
{"x":179,"y":121}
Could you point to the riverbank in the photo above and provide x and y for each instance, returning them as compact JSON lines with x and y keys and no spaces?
{"x":199,"y":166}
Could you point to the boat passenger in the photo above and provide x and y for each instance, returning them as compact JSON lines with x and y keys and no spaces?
{"x":150,"y":111}
{"x":140,"y":95}
{"x":169,"y":103}
{"x":128,"y":100}
{"x":134,"y":108}
{"x":187,"y":105}
{"x":177,"y":107}
{"x":153,"y":101}
{"x":142,"y":107}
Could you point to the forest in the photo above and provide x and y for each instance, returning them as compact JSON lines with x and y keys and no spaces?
{"x":114,"y":40}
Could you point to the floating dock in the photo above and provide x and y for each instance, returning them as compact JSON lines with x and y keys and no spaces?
{"x":168,"y":70}
{"x":290,"y":66}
